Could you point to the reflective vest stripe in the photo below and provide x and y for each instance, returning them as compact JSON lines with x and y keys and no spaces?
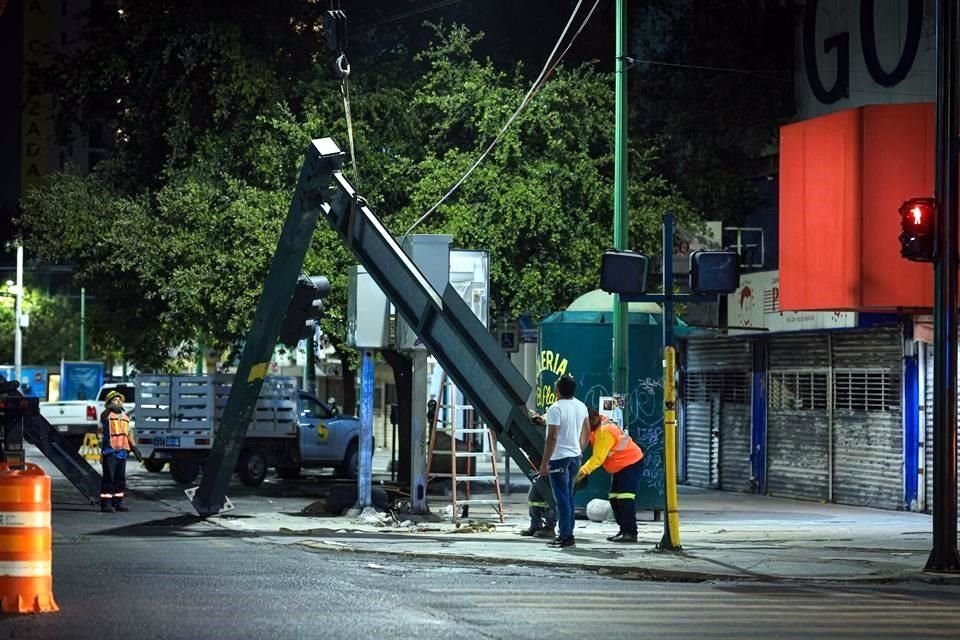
{"x":25,"y":568}
{"x":621,"y":445}
{"x":119,"y":428}
{"x":24,"y":519}
{"x":624,"y":453}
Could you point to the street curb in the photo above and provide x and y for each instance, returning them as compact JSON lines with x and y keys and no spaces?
{"x":632,"y":573}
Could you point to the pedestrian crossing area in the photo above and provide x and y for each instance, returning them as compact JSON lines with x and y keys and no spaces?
{"x":714,"y":610}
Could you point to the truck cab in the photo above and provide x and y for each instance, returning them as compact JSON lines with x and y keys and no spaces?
{"x":326,"y":436}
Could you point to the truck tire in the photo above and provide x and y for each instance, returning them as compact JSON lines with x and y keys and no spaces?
{"x":288,"y":473}
{"x":351,"y":462}
{"x":252,"y":467}
{"x":154,"y":466}
{"x":184,"y":471}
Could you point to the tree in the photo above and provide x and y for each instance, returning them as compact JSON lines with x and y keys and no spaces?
{"x":53,"y":334}
{"x":541,"y":204}
{"x":174,"y":235}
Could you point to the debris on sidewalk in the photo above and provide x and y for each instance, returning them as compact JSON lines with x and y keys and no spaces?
{"x":475,"y":527}
{"x":369,"y":515}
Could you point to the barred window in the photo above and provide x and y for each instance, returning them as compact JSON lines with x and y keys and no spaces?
{"x":730,"y":386}
{"x":868,"y":390}
{"x":797,"y":390}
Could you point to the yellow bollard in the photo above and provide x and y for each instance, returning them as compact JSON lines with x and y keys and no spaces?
{"x":671,"y":534}
{"x":26,"y":580}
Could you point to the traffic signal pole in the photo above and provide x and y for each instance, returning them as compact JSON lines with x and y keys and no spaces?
{"x":943,"y":557}
{"x":671,"y":523}
{"x":621,"y":226}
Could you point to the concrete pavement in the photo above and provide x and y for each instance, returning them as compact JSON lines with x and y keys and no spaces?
{"x":723,"y":535}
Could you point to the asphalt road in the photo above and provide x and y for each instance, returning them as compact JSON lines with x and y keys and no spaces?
{"x":154,"y":573}
{"x":159,"y":584}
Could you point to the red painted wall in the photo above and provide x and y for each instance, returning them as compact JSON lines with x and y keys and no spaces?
{"x":842,"y":179}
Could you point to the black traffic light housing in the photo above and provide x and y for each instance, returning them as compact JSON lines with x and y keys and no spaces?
{"x":305,"y":310}
{"x":624,"y":272}
{"x":917,"y":224}
{"x":714,"y":272}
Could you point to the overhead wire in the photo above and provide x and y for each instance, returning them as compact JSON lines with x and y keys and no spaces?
{"x":761,"y":73}
{"x":545,"y":72}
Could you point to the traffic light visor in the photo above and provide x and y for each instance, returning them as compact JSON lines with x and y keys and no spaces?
{"x":623,"y":272}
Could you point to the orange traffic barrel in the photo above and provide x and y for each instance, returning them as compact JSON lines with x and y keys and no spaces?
{"x":26,"y":581}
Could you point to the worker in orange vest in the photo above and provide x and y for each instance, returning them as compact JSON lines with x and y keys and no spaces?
{"x":620,"y":456}
{"x":116,"y":442}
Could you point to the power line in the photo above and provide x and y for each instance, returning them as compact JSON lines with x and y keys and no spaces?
{"x":545,"y":72}
{"x":766,"y":74}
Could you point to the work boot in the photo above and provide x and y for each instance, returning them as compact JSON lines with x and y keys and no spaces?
{"x":614,"y":536}
{"x":107,"y":508}
{"x":545,"y":532}
{"x":562,"y":543}
{"x":532,"y":531}
{"x":624,"y":537}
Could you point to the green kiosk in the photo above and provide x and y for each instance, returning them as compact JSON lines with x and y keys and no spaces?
{"x":578,"y":342}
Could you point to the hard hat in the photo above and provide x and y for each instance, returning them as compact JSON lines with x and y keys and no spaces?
{"x":114,"y":394}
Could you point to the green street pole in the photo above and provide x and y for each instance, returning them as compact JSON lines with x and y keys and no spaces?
{"x":83,"y":323}
{"x":198,"y":359}
{"x":621,"y":376}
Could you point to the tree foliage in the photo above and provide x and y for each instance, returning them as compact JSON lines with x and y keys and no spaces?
{"x":215,"y":110}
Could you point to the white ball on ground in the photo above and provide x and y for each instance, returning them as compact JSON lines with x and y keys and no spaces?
{"x":599,"y":510}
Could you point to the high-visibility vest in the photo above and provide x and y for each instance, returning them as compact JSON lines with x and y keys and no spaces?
{"x":119,"y":425}
{"x":623,"y":454}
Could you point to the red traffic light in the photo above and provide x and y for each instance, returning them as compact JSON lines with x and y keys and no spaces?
{"x":918,"y":213}
{"x":918,"y":223}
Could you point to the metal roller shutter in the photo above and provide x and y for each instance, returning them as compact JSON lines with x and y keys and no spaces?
{"x":735,"y":435}
{"x":868,"y":418}
{"x":717,"y":413}
{"x":928,"y":433}
{"x":699,"y":449}
{"x":797,"y":417}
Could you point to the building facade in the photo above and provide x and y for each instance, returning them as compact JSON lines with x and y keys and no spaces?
{"x":821,"y":388}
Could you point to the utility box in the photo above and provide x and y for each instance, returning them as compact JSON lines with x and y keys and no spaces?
{"x":431,"y":254}
{"x":470,"y":276}
{"x":368,"y":311}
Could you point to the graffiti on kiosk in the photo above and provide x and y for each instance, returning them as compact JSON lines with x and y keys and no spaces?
{"x":556,"y":364}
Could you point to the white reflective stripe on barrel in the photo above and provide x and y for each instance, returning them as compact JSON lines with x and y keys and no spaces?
{"x":25,"y":568}
{"x":24,"y":518}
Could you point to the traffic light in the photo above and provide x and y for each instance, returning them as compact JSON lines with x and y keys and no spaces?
{"x":714,"y":272}
{"x":305,"y":310}
{"x":917,"y":222}
{"x":623,"y":272}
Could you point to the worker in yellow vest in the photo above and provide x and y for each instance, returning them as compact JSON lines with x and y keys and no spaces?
{"x":620,"y":456}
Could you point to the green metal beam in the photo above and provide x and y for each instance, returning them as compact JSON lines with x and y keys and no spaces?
{"x":321,"y":161}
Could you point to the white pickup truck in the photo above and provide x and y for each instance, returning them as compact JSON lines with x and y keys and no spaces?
{"x":76,"y":418}
{"x":178,"y":416}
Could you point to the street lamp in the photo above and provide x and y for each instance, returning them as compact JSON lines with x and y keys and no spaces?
{"x":17,"y":289}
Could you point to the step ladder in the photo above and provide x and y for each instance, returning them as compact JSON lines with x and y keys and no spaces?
{"x":445,"y":421}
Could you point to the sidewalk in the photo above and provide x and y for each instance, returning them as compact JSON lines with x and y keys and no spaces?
{"x":723,"y":536}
